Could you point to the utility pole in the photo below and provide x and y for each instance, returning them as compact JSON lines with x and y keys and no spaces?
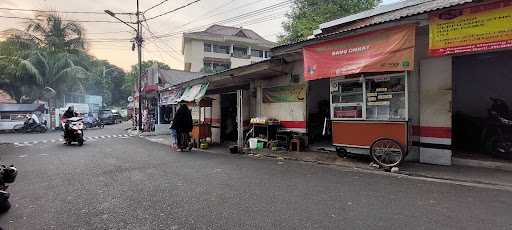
{"x":139,"y":40}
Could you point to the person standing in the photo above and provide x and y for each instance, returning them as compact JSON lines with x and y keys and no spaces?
{"x":182,"y":124}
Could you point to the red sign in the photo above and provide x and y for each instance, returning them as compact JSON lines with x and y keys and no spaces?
{"x":384,"y":50}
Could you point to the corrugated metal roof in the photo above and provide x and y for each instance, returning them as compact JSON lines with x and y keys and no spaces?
{"x":381,"y":15}
{"x":372,"y":12}
{"x":420,"y":8}
{"x":174,"y":77}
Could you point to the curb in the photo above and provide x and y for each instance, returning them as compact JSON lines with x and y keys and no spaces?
{"x":348,"y":165}
{"x":482,"y":164}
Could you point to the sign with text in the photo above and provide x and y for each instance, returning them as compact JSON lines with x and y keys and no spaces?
{"x":472,"y":29}
{"x":289,"y":93}
{"x":385,"y":50}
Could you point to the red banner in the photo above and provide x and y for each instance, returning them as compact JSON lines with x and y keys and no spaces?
{"x":384,"y":50}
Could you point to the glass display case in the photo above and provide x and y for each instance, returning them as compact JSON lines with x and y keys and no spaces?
{"x":379,"y":98}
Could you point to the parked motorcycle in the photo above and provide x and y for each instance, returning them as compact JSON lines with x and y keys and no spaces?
{"x":497,"y":133}
{"x":7,"y":176}
{"x":74,"y":130}
{"x":91,"y":122}
{"x":30,"y":127}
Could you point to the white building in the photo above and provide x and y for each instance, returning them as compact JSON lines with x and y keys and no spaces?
{"x":222,"y":47}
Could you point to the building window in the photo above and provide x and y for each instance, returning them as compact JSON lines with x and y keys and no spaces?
{"x":215,"y":67}
{"x":379,"y":98}
{"x":222,"y":49}
{"x":5,"y":116}
{"x":258,"y":53}
{"x":240,"y":52}
{"x":268,"y":54}
{"x":207,"y":47}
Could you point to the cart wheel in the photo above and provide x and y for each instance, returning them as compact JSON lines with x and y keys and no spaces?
{"x":341,"y":152}
{"x":387,"y":152}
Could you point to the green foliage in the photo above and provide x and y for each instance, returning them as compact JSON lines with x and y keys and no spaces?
{"x":52,"y":54}
{"x":307,"y":15}
{"x":133,"y":75}
{"x":55,"y":34}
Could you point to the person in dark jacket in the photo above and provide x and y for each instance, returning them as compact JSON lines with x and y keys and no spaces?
{"x":70,"y":112}
{"x":182,"y":123}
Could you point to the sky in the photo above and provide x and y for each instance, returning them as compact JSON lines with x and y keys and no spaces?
{"x":110,"y":41}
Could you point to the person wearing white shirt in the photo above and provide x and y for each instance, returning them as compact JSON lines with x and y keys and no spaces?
{"x":35,"y":119}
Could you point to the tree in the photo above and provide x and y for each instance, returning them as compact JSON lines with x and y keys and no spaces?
{"x":50,"y":53}
{"x":106,"y":80}
{"x":15,"y":71}
{"x":56,"y":70}
{"x":307,"y":15}
{"x":133,"y":75}
{"x":55,"y":34}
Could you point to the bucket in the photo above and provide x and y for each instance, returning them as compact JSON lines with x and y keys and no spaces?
{"x":253,"y":143}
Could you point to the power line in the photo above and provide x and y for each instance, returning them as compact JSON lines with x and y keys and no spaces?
{"x":64,"y":20}
{"x":247,"y":15}
{"x":170,"y":47}
{"x":56,"y":11}
{"x":113,"y":32}
{"x":157,"y":5}
{"x":212,"y":10}
{"x":173,"y":10}
{"x":220,"y":13}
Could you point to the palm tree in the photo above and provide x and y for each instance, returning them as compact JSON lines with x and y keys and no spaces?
{"x":16,"y":72}
{"x":56,"y":70}
{"x":55,"y":34}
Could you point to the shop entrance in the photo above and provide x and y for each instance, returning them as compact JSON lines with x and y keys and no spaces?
{"x":318,"y":106}
{"x":229,"y":131}
{"x":479,"y":80}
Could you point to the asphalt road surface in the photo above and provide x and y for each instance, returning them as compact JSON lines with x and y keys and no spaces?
{"x":124,"y":182}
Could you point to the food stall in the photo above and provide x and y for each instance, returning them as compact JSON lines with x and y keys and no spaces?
{"x":202,"y":112}
{"x":201,"y":107}
{"x":368,"y":90}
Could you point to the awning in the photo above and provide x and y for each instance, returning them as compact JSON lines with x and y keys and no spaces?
{"x":170,"y":97}
{"x":194,"y":93}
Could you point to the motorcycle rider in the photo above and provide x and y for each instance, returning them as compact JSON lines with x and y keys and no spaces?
{"x":35,"y":119}
{"x":70,"y":112}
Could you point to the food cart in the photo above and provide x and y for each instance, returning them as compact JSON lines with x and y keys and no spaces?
{"x":370,"y":113}
{"x":202,"y":129}
{"x":368,"y":75}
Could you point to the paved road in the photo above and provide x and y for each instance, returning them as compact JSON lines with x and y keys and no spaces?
{"x":56,"y":135}
{"x":130,"y":183}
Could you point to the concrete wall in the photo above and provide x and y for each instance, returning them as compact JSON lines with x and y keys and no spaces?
{"x":291,"y":114}
{"x":194,"y":54}
{"x":435,"y":109}
{"x":216,"y":118}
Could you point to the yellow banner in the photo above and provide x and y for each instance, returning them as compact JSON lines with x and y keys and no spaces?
{"x":478,"y":28}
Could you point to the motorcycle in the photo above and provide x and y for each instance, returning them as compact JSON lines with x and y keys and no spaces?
{"x":91,"y":122}
{"x":7,"y":176}
{"x":73,"y":130}
{"x":30,"y":127}
{"x":497,"y":133}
